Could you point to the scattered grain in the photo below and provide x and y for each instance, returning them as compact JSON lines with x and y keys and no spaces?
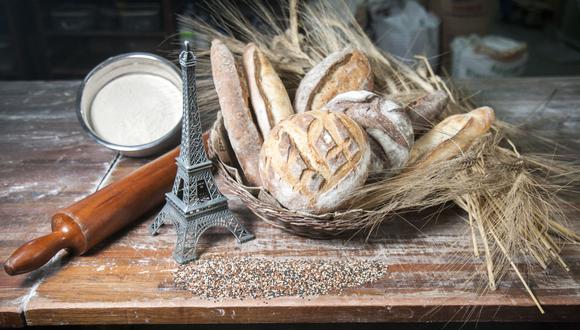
{"x":217,"y":278}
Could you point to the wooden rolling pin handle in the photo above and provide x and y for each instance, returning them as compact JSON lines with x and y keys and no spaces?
{"x":95,"y":218}
{"x":66,"y":234}
{"x":37,"y":252}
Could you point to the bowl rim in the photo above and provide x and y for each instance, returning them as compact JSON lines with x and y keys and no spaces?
{"x":114,"y":146}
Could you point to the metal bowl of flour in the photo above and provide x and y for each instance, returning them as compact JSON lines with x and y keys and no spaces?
{"x":131,"y":103}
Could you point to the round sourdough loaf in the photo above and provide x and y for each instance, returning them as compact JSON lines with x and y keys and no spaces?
{"x":230,"y":85}
{"x":342,"y":71}
{"x":268,"y":95}
{"x":312,"y":161}
{"x":384,"y":120}
{"x":451,"y":137}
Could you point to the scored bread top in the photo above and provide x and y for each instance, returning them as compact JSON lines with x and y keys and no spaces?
{"x":268,"y":95}
{"x":311,"y":161}
{"x":384,"y":120}
{"x":451,"y":137}
{"x":230,"y":85}
{"x":339,"y":72}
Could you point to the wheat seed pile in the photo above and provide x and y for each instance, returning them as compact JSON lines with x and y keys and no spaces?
{"x":218,"y":278}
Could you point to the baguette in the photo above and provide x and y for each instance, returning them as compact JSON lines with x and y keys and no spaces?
{"x":268,"y":95}
{"x":452,"y":136}
{"x":230,"y":85}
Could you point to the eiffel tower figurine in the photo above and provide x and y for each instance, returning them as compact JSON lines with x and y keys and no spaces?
{"x":195,"y":203}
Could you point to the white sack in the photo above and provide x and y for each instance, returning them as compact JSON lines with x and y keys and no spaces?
{"x":407,"y":31}
{"x":470,"y":61}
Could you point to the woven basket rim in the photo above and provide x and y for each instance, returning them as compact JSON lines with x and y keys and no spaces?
{"x":264,"y":206}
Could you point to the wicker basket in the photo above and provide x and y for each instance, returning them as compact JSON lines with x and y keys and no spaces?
{"x":261,"y":203}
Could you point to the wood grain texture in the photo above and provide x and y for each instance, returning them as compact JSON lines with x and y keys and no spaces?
{"x":47,"y":163}
{"x":79,"y":227}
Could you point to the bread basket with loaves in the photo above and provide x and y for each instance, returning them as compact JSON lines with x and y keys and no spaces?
{"x":298,"y":163}
{"x":303,"y":165}
{"x":323,"y":135}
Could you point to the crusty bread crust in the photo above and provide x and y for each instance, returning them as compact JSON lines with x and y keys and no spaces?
{"x":342,"y":71}
{"x":385,"y":121}
{"x":230,"y":85}
{"x":425,"y":110}
{"x":451,"y":137}
{"x":220,"y":143}
{"x":268,"y":95}
{"x":311,"y":161}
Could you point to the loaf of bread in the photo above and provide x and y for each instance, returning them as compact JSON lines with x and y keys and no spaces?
{"x":425,"y":110}
{"x":384,"y":120}
{"x":312,"y":161}
{"x":452,"y":136}
{"x":230,"y":85}
{"x":219,"y":143}
{"x":268,"y":95}
{"x":342,"y":71}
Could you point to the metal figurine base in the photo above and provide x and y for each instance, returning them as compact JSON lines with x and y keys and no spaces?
{"x":194,"y":204}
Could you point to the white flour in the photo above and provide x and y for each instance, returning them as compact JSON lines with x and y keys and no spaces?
{"x":136,"y":109}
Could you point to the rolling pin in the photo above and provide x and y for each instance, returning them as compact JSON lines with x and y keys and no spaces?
{"x":86,"y":223}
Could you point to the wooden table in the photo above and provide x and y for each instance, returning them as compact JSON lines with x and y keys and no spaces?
{"x":47,"y":162}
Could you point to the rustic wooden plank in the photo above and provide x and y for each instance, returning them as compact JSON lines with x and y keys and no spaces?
{"x":549,"y":106}
{"x":45,"y":162}
{"x":128,"y":279}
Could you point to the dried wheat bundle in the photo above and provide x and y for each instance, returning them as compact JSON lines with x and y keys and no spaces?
{"x":512,"y":199}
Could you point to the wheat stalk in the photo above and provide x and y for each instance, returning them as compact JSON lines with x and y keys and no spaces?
{"x":512,"y":199}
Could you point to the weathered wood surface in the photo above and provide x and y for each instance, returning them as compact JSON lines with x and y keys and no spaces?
{"x":46,"y":162}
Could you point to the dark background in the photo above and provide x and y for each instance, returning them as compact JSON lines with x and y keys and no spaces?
{"x":335,"y":326}
{"x":64,"y":39}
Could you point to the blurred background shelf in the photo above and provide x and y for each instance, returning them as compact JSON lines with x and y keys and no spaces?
{"x":77,"y":35}
{"x":65,"y":39}
{"x":104,"y":33}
